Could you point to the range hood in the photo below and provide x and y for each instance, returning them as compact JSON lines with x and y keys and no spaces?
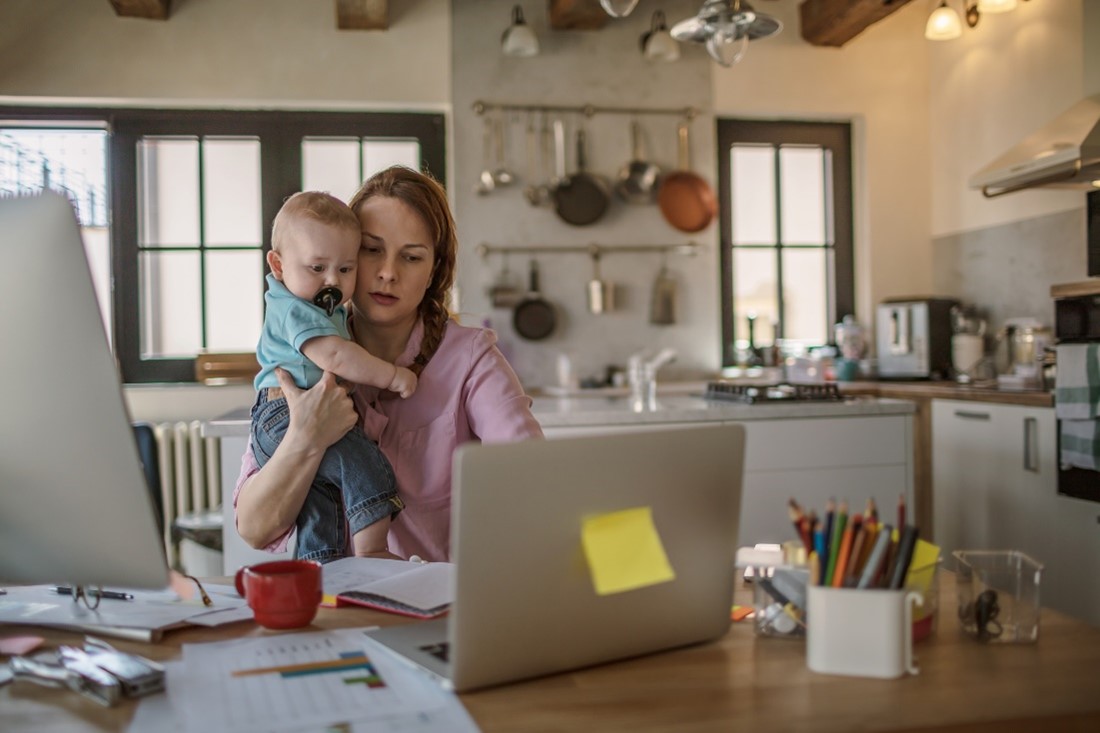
{"x":1063,"y":154}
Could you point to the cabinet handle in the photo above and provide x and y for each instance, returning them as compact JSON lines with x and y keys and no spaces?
{"x":1031,"y":452}
{"x":970,"y":415}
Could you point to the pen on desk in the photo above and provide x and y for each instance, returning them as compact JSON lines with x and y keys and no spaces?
{"x":110,"y":594}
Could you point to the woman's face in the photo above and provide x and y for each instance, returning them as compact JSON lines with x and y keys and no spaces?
{"x":396,"y":260}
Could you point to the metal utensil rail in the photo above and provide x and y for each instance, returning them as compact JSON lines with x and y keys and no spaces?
{"x":593,"y":250}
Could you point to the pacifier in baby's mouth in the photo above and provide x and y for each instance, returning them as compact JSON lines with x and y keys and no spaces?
{"x":328,"y":298}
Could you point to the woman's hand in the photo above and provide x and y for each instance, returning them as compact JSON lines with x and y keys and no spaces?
{"x":320,"y":415}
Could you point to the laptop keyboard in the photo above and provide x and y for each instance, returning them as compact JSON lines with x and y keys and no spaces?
{"x":441,"y":651}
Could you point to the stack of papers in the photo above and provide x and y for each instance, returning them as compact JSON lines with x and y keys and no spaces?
{"x":329,"y":680}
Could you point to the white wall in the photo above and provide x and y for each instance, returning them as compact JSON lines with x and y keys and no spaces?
{"x":990,"y":89}
{"x":574,"y":68}
{"x":879,"y":82}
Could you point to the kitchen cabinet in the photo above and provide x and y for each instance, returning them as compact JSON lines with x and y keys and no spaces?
{"x":810,"y":459}
{"x":994,"y":473}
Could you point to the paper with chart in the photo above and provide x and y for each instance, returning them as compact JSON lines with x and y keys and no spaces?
{"x":306,"y":681}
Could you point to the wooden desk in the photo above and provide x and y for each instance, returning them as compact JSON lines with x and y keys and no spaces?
{"x":737,"y":683}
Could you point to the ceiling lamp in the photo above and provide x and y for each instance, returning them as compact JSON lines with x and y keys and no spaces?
{"x":943,"y":24}
{"x":618,"y":8}
{"x":518,"y":39}
{"x":725,"y":28}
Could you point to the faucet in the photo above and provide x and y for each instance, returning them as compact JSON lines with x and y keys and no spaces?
{"x":642,"y":377}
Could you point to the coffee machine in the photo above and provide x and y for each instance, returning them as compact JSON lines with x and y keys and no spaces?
{"x":913,"y":338}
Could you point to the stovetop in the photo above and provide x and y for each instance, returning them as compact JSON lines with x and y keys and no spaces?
{"x":773,"y":393}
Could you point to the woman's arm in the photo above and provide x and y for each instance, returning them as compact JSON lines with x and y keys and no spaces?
{"x":269,"y":501}
{"x":498,"y":409}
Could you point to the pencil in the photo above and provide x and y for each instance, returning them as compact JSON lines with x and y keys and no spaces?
{"x":798,"y":519}
{"x":834,"y":541}
{"x":858,"y":541}
{"x":875,"y":559}
{"x":906,"y":544}
{"x":901,"y":512}
{"x":845,"y":551}
{"x":819,"y":554}
{"x":870,"y":534}
{"x":815,"y":568}
{"x":830,"y":511}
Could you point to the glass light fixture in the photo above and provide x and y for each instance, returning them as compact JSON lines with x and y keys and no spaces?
{"x":618,"y":8}
{"x":727,"y":45}
{"x":657,"y":43}
{"x":943,"y":24}
{"x":725,"y":27}
{"x":996,"y":6}
{"x":518,"y":39}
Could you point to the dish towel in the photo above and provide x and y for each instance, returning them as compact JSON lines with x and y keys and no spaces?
{"x":1077,"y":386}
{"x":1077,"y":404}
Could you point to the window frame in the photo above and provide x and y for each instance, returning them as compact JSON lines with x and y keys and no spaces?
{"x":280,"y":133}
{"x":833,"y":136}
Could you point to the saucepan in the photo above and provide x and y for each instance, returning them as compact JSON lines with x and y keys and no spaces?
{"x":534,"y":317}
{"x":686,"y":200}
{"x":582,"y":197}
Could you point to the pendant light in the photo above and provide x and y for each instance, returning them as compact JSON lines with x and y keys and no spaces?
{"x":518,"y":39}
{"x":725,"y":27}
{"x":943,"y":24}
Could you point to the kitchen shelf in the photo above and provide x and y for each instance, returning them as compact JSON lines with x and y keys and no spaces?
{"x":588,"y":110}
{"x":593,"y":250}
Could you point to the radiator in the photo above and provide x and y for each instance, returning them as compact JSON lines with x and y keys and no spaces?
{"x":190,"y":479}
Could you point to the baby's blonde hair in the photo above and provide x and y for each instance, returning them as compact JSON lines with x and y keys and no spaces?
{"x":319,"y":206}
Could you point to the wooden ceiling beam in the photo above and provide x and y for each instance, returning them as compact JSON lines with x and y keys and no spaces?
{"x":362,"y":15}
{"x":835,"y":22}
{"x":577,"y":15}
{"x":151,"y":9}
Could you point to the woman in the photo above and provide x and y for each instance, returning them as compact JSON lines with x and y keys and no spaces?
{"x":467,"y":391}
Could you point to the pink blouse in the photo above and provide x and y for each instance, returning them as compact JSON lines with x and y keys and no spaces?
{"x":467,"y":392}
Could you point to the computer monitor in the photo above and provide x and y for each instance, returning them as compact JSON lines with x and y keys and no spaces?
{"x":74,"y":505}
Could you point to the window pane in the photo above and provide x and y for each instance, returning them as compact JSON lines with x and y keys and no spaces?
{"x":805,"y":296}
{"x":381,"y":154}
{"x":168,"y":191}
{"x":234,"y":300}
{"x":72,"y":162}
{"x":755,"y":291}
{"x":330,"y":164}
{"x":753,"y":193}
{"x":97,"y":245}
{"x":170,"y":315}
{"x":231,"y":192}
{"x":802,"y":188}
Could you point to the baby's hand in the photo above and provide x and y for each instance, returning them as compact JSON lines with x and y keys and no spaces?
{"x":404,"y":382}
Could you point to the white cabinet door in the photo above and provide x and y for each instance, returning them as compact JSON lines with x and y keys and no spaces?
{"x":995,"y":478}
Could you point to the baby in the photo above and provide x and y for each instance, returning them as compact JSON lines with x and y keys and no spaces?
{"x":313,"y":260}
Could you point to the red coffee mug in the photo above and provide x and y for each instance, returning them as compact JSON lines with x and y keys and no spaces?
{"x":283,"y":594}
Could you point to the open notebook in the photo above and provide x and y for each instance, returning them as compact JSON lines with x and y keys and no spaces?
{"x":410,"y":589}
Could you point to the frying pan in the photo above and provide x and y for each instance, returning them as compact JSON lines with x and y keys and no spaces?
{"x":687,"y":201}
{"x":581,"y":198}
{"x":534,"y":317}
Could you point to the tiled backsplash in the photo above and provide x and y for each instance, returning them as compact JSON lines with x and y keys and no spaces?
{"x":1008,"y":270}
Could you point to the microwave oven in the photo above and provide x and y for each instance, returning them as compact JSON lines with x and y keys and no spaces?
{"x":913,"y":338}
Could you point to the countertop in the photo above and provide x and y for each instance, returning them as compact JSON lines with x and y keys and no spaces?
{"x":949,"y":391}
{"x":670,"y":408}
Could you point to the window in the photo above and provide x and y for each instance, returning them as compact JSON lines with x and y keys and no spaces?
{"x":190,"y":200}
{"x":786,"y":221}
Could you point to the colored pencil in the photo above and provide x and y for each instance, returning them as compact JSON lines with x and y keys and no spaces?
{"x":801,"y":526}
{"x":845,"y":551}
{"x":834,"y":540}
{"x":858,"y":541}
{"x":906,"y":545}
{"x":819,"y":550}
{"x":815,"y":568}
{"x":875,"y":559}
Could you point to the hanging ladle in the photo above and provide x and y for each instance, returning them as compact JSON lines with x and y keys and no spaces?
{"x":485,"y":180}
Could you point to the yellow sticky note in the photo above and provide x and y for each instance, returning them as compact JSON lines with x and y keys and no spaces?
{"x":922,"y":568}
{"x":624,"y":551}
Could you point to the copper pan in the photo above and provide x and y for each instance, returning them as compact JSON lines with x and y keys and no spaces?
{"x":687,"y":201}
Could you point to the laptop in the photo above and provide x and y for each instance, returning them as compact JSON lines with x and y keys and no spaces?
{"x":525,"y":602}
